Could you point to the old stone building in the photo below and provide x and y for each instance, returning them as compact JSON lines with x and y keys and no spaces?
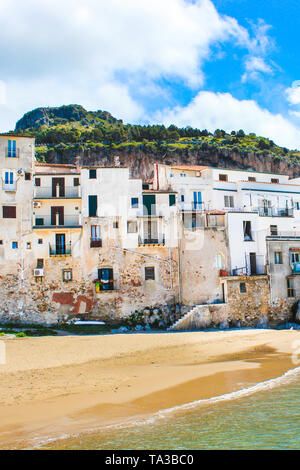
{"x":95,"y":243}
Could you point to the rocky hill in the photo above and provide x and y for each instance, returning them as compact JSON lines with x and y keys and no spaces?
{"x":70,"y":134}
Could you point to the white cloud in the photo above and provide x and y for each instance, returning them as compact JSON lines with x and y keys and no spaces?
{"x":293,"y":93}
{"x":221,"y":110}
{"x":255,"y":65}
{"x":99,"y":42}
{"x":115,"y":98}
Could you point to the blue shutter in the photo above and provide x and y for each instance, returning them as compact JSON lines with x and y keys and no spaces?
{"x":14,"y":148}
{"x":6,"y":177}
{"x":11,"y":178}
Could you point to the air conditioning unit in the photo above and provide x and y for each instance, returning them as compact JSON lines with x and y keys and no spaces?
{"x":38,"y":272}
{"x":37,"y":204}
{"x":20,"y":172}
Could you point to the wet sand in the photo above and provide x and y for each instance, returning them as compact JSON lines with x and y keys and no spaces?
{"x":58,"y":386}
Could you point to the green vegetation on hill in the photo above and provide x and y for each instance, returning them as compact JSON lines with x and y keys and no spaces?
{"x":73,"y":128}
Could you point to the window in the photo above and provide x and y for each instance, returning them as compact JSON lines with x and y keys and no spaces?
{"x":92,"y":174}
{"x":96,"y":241}
{"x":247,"y":230}
{"x":1,"y":242}
{"x":37,"y":181}
{"x":182,"y":198}
{"x":9,"y":212}
{"x":243,"y":289}
{"x":28,"y":245}
{"x":116,"y":224}
{"x":228,"y":201}
{"x":273,"y":230}
{"x":12,"y":149}
{"x":223,"y":177}
{"x":219,"y":261}
{"x":93,"y":206}
{"x":134,"y":202}
{"x":182,"y":175}
{"x":76,"y":182}
{"x":67,"y":275}
{"x":295,"y":257}
{"x":172,"y":200}
{"x":149,"y":273}
{"x":40,"y":241}
{"x":9,"y":178}
{"x":27,"y":176}
{"x":131,"y":226}
{"x":14,"y":245}
{"x":197,"y":200}
{"x":278,"y":257}
{"x":40,"y":263}
{"x":297,"y":206}
{"x":106,"y":279}
{"x":290,"y":287}
{"x":193,"y":220}
{"x":251,"y":178}
{"x":274,"y":180}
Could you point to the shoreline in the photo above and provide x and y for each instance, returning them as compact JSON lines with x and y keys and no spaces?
{"x":64,"y":386}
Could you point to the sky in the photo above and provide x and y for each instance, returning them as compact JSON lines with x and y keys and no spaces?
{"x":227,"y":64}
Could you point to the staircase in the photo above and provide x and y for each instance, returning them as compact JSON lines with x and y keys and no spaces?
{"x":198,"y":317}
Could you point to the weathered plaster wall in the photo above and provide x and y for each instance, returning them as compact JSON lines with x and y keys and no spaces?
{"x":199,"y":271}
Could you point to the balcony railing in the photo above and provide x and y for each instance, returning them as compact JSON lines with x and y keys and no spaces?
{"x":10,"y":187}
{"x":47,"y":221}
{"x":274,"y":211}
{"x":12,"y":153}
{"x":95,"y":243}
{"x":49,"y":192}
{"x":152,"y":241}
{"x":60,"y":250}
{"x":252,"y":267}
{"x":284,"y":234}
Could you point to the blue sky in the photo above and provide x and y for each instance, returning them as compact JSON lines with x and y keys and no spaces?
{"x":227,"y":64}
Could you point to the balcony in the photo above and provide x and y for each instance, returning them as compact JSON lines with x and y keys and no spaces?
{"x":152,"y":241}
{"x":12,"y":153}
{"x":48,"y":192}
{"x":60,"y":250}
{"x":10,"y":187}
{"x":46,"y":221}
{"x":95,"y":243}
{"x":274,"y":212}
{"x":191,"y":207}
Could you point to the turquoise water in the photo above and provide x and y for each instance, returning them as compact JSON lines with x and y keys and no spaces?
{"x":266,"y":418}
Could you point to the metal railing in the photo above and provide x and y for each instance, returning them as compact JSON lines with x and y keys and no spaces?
{"x":284,"y":234}
{"x":60,"y":249}
{"x":59,"y":221}
{"x":10,"y":187}
{"x":274,"y":211}
{"x":251,"y":269}
{"x":95,"y":242}
{"x":152,"y":241}
{"x":49,"y":192}
{"x":12,"y":153}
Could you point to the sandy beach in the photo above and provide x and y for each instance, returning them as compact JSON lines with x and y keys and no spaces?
{"x":58,"y":386}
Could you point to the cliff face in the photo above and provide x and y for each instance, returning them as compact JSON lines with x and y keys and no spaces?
{"x":140,"y":160}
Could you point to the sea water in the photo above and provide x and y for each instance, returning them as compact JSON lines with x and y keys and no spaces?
{"x":265,"y":416}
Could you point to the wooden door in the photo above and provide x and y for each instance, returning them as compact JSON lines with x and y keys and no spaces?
{"x":58,"y":187}
{"x":57,"y":210}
